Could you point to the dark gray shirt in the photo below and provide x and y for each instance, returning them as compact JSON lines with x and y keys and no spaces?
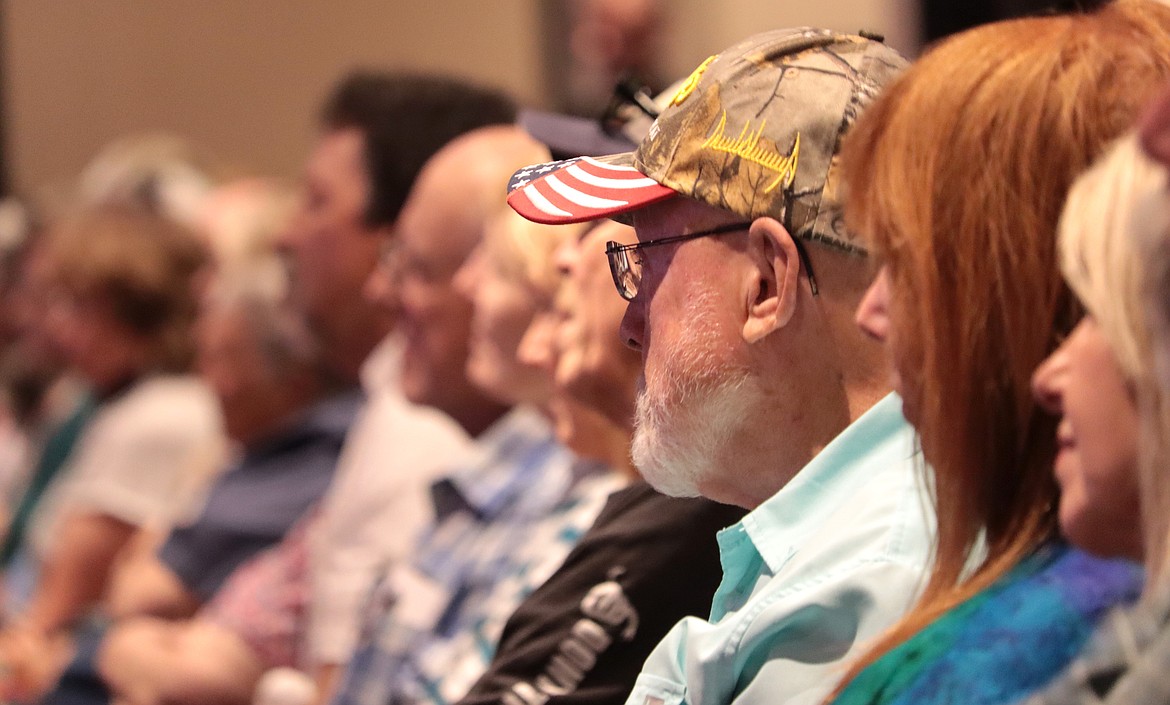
{"x":253,"y":504}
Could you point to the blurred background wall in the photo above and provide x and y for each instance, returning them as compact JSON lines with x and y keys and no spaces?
{"x":242,"y":79}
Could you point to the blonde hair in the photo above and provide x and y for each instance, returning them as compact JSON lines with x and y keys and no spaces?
{"x":957,"y":174}
{"x":1105,"y":265}
{"x":241,"y":222}
{"x":1151,"y":235}
{"x":1098,"y":257}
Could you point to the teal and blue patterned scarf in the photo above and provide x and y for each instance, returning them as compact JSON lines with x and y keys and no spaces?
{"x":1005,"y":642}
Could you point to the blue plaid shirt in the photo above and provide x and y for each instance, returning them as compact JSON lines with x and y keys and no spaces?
{"x":504,"y":522}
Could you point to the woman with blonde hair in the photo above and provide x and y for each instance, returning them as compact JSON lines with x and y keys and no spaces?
{"x":509,"y":278}
{"x":1100,"y":375}
{"x":957,"y":175}
{"x":1115,"y":429}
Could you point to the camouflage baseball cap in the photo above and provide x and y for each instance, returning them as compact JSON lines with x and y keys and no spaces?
{"x":755,"y":130}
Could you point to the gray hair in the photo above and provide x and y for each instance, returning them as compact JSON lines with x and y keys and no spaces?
{"x":285,"y":340}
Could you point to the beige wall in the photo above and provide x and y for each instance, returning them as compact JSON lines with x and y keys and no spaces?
{"x":242,"y":78}
{"x":702,"y":27}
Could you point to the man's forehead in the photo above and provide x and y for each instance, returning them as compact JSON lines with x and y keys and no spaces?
{"x":657,"y":215}
{"x":608,"y":230}
{"x":338,"y":149}
{"x":677,"y":216}
{"x":433,"y":230}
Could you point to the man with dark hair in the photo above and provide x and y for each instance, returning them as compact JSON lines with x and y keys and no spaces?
{"x":430,"y":109}
{"x":377,"y":131}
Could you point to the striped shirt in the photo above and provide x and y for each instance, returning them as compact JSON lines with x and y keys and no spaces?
{"x":504,"y":522}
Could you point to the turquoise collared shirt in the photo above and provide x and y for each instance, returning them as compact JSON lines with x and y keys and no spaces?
{"x":809,"y":576}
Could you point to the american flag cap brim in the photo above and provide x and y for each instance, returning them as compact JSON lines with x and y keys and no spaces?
{"x":582,"y":189}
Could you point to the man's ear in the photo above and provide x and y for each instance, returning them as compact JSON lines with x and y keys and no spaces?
{"x":771,"y":294}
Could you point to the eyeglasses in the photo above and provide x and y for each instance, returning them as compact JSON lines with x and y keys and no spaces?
{"x":625,"y":262}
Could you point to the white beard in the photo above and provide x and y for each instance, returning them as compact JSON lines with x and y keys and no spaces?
{"x":685,"y":423}
{"x":678,"y":448}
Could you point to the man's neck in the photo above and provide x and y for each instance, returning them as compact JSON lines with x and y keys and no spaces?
{"x":348,"y":347}
{"x":806,"y":402}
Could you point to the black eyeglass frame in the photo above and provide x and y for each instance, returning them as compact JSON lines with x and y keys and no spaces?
{"x":619,"y":267}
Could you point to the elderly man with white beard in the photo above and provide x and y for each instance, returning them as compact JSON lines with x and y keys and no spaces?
{"x":758,"y":389}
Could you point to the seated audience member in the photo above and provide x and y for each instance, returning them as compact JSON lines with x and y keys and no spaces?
{"x":1110,"y":374}
{"x":286,"y":424}
{"x":154,"y":171}
{"x":589,"y":360}
{"x":243,"y":274}
{"x":50,"y":403}
{"x":758,"y":388}
{"x":505,"y":519}
{"x":647,"y":561}
{"x":508,"y":279}
{"x":1096,"y":379}
{"x":969,"y":300}
{"x":376,"y":132}
{"x":355,"y":184}
{"x":241,"y":220}
{"x":121,"y":312}
{"x":265,"y":368}
{"x":23,"y":382}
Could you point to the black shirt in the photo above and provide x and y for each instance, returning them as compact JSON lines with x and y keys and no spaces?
{"x":582,"y":637}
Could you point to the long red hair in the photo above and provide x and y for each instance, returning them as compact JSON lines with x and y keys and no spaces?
{"x":957,"y":175}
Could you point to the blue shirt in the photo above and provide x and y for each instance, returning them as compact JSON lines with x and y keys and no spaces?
{"x":809,"y":576}
{"x":253,"y":504}
{"x":504,"y":522}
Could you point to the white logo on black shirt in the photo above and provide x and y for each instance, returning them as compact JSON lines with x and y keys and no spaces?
{"x":608,"y":614}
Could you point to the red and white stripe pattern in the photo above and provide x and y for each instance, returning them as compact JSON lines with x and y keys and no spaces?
{"x":580,"y":189}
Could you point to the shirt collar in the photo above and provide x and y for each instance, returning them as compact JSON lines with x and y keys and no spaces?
{"x":382,"y":369}
{"x":336,"y":413}
{"x":506,"y":460}
{"x":880,"y":438}
{"x":328,"y":417}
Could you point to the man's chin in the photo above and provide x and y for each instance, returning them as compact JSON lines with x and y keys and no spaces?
{"x":660,"y":472}
{"x":667,"y":484}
